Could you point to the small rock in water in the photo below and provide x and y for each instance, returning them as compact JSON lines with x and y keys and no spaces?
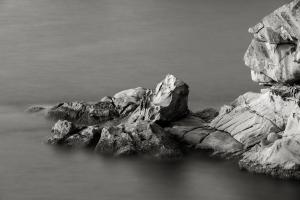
{"x":61,"y":130}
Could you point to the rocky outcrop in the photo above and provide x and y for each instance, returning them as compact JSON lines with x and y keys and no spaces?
{"x":266,"y":123}
{"x":124,"y":124}
{"x":273,"y":54}
{"x":139,"y":121}
{"x":262,"y":129}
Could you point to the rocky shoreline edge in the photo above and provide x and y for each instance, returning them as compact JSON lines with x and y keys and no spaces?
{"x":261,"y":129}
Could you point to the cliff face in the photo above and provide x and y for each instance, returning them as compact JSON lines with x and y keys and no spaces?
{"x":262,"y":129}
{"x":274,"y":53}
{"x":267,"y":123}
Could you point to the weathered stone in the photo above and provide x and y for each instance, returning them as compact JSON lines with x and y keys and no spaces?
{"x":127,"y":101}
{"x":273,"y":54}
{"x":61,"y":130}
{"x":151,"y":139}
{"x":85,"y":138}
{"x":279,"y":158}
{"x":220,"y":142}
{"x":113,"y":140}
{"x":207,"y":114}
{"x":171,"y":98}
{"x":253,"y":116}
{"x":166,"y":104}
{"x":83,"y":113}
{"x":196,"y":136}
{"x":107,"y":99}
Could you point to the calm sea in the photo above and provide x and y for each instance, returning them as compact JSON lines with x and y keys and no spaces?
{"x":63,"y":50}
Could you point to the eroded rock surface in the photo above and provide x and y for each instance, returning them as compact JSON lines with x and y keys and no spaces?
{"x":273,"y":54}
{"x":262,"y":128}
{"x":124,"y":124}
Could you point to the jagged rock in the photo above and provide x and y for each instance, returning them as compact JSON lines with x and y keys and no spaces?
{"x":151,"y":139}
{"x":88,"y":137}
{"x":142,"y":138}
{"x":273,"y":54}
{"x":114,"y":140}
{"x":127,"y":101}
{"x":107,"y":99}
{"x":83,"y":113}
{"x":61,"y":130}
{"x":168,"y":102}
{"x":171,"y":98}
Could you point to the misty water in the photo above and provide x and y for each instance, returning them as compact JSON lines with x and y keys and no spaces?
{"x":64,"y":50}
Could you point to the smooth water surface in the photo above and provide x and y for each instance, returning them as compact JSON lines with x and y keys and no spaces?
{"x":63,"y":50}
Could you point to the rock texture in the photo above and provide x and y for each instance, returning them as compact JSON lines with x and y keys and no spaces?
{"x":267,"y":123}
{"x":139,"y":121}
{"x":273,"y":54}
{"x":125,"y":124}
{"x":262,"y":129}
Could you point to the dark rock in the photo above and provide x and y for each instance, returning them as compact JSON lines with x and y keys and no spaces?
{"x":220,"y":142}
{"x":83,"y":113}
{"x":207,"y":114}
{"x":114,"y":140}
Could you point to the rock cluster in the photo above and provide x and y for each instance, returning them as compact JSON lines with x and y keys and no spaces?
{"x":274,"y":53}
{"x":140,"y":121}
{"x":263,"y":128}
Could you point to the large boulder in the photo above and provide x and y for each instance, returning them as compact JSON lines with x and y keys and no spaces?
{"x":273,"y":54}
{"x":171,"y":98}
{"x":167,"y":103}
